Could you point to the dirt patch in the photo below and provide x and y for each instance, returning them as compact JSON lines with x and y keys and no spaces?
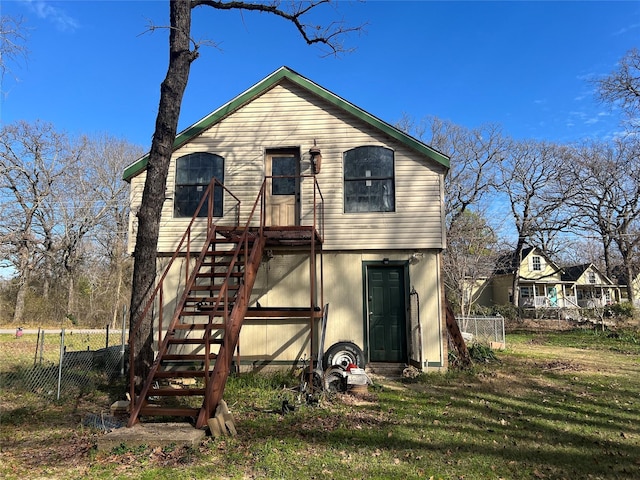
{"x":560,"y":365}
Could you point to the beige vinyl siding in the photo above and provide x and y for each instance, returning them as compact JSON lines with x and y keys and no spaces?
{"x":283,"y":281}
{"x":289,"y":116}
{"x":135,"y":199}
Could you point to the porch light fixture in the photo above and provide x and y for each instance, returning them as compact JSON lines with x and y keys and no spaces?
{"x":316,"y":158}
{"x":415,"y":257}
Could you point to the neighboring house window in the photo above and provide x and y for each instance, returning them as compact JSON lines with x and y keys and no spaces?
{"x":193,"y":174}
{"x":536,"y":264}
{"x":592,"y":277}
{"x":369,"y":180}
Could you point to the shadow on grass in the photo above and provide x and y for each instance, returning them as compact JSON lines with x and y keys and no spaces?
{"x":540,"y":424}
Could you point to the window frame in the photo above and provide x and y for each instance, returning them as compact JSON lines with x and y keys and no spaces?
{"x":536,"y":263}
{"x":349,"y":205}
{"x":185,"y":207}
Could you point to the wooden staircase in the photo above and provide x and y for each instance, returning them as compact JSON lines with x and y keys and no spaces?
{"x":200,"y":340}
{"x":195,"y":348}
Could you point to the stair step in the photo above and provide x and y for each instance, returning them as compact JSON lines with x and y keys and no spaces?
{"x":173,"y":357}
{"x":211,"y":288}
{"x":198,"y":326}
{"x":226,"y":263}
{"x":180,"y":374}
{"x":175,"y":392}
{"x":193,"y":311}
{"x":193,"y":341}
{"x":208,"y":301}
{"x":223,"y":253}
{"x":219,"y":274}
{"x":169,"y":412}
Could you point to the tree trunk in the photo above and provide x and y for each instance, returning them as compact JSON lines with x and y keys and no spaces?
{"x":71,"y":296}
{"x":153,"y":196}
{"x":630,"y":293}
{"x":515,"y":286}
{"x":23,"y":284}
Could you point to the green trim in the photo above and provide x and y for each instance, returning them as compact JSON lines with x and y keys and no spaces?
{"x":267,"y":84}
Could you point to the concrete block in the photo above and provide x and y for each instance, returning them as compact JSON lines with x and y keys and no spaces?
{"x":152,"y":435}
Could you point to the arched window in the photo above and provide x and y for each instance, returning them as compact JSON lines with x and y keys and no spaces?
{"x":193,"y":174}
{"x":369,"y":180}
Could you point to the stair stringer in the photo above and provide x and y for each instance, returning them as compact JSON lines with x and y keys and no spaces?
{"x":162,"y":347}
{"x":218,"y":378}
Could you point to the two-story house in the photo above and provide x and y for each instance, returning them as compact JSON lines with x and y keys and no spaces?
{"x":314,"y":202}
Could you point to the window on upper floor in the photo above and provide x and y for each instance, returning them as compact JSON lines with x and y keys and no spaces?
{"x":536,"y":263}
{"x":369,"y":183}
{"x":193,"y":174}
{"x":592,"y":277}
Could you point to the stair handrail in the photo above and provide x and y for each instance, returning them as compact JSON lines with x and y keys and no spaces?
{"x":186,"y":238}
{"x":243,"y":243}
{"x":318,"y":209}
{"x":185,"y":241}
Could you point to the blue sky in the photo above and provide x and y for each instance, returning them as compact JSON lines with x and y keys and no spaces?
{"x":523,"y":65}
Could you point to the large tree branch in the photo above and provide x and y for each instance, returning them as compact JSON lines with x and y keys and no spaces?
{"x":311,"y":33}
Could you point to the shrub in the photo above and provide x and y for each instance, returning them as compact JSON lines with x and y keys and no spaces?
{"x":508,"y":311}
{"x":624,"y":309}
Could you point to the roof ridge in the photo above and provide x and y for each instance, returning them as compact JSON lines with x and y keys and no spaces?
{"x":266,"y":84}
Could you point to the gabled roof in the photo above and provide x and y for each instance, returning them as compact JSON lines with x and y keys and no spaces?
{"x":574,"y":272}
{"x":509,"y":262}
{"x":280,"y":75}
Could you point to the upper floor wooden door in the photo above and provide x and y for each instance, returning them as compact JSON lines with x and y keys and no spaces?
{"x":283,"y":188}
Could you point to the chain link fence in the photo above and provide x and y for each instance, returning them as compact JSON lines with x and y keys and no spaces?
{"x":61,"y":363}
{"x":485,"y":330}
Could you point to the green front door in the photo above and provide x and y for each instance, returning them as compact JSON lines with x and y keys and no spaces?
{"x":387,"y":320}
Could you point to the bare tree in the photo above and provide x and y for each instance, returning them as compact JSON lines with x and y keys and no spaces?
{"x":622,"y":86}
{"x":469,"y":260}
{"x":532,"y":180}
{"x":60,"y":198}
{"x":182,"y":53}
{"x":33,"y":158}
{"x":475,"y":155}
{"x":608,"y":198}
{"x":105,"y":159}
{"x":12,"y":42}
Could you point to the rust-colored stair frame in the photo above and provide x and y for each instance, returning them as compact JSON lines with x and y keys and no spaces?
{"x":139,"y":400}
{"x":215,"y":381}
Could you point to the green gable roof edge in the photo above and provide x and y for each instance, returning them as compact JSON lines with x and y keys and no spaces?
{"x":268,"y":83}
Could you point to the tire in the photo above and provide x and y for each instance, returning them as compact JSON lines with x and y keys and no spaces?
{"x":334,"y":380}
{"x":342,"y":354}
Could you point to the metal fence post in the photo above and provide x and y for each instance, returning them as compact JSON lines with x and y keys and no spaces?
{"x":61,"y":359}
{"x":35,"y":357}
{"x":107,"y":341}
{"x":42,"y":348}
{"x":122,"y":339}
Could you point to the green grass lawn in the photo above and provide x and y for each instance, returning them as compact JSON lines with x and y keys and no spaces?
{"x":554,"y":405}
